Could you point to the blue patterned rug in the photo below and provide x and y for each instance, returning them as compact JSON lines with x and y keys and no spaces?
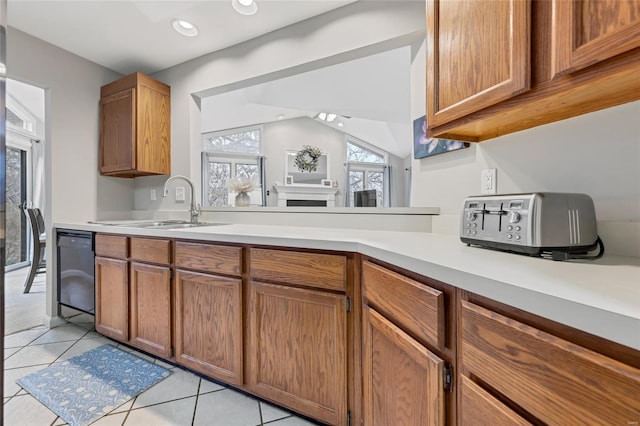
{"x":86,"y":387}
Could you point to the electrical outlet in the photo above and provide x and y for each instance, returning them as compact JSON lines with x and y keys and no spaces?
{"x":488,"y":181}
{"x":153,"y":195}
{"x":180,"y":193}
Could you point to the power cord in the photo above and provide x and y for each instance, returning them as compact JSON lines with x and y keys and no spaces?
{"x":563,"y":255}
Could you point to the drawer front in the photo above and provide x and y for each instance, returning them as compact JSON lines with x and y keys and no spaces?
{"x":549,"y":377}
{"x":327,"y":271}
{"x":413,"y":306}
{"x":151,"y":250}
{"x":114,"y":246}
{"x":477,"y":407}
{"x":209,"y":258}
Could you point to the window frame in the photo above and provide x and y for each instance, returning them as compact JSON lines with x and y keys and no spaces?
{"x":366,"y":167}
{"x":208,"y":135}
{"x":213,"y":155}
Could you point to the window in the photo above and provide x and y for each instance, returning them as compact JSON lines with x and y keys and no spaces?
{"x":367,"y":168}
{"x":230,"y":154}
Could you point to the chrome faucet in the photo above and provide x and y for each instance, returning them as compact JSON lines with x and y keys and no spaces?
{"x":194,"y":209}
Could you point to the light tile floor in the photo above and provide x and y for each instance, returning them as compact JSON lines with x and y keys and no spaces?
{"x":181,"y":399}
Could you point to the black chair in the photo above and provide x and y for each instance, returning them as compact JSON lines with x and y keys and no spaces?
{"x":39,"y":238}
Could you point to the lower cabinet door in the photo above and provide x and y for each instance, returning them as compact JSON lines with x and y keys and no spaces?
{"x":151,"y":308}
{"x":209,"y":325}
{"x":402,"y":380}
{"x":297,"y":350}
{"x":112,"y":298}
{"x":477,"y":407}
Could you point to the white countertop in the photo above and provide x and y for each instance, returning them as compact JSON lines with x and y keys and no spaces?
{"x":601,"y":297}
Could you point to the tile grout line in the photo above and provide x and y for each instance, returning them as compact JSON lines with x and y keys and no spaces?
{"x":260,"y":412}
{"x":195,"y":407}
{"x":69,"y":348}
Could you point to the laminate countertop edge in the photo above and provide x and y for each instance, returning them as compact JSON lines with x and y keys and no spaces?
{"x":600,"y":297}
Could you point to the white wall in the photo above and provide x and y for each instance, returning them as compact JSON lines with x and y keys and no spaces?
{"x":597,"y":154}
{"x":352,"y":31}
{"x":75,"y":191}
{"x":293,"y":134}
{"x":280,"y":136}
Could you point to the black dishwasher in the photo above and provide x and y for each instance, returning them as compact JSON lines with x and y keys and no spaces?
{"x":76,"y":269}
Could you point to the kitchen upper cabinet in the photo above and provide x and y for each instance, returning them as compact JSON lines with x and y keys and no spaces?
{"x":297,"y":349}
{"x":112,"y":286}
{"x":150,"y":296}
{"x":547,"y":378}
{"x":477,"y":55}
{"x":586,"y":32}
{"x":402,"y":380}
{"x":496,"y":67}
{"x":135,"y":130}
{"x":209,"y":310}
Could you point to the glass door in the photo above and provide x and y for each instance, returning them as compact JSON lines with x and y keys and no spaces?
{"x":16,"y":226}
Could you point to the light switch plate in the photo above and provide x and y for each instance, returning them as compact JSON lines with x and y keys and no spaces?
{"x":153,"y":195}
{"x":180,"y":193}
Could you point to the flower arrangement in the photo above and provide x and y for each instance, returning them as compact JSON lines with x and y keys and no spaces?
{"x":241,"y":185}
{"x":307,"y":158}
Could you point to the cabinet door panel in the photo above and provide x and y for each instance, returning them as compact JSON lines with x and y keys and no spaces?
{"x":477,"y":407}
{"x":154,"y":130}
{"x":112,"y":298}
{"x":297,"y":350}
{"x":589,"y":31}
{"x":547,"y":376}
{"x":151,"y":309}
{"x":478,"y":54}
{"x":117,"y":116}
{"x":402,"y":380}
{"x":209,"y":325}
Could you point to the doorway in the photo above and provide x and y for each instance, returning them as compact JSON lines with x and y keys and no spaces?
{"x":25,"y":130}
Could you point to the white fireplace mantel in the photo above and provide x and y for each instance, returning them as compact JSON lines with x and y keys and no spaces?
{"x":306,"y":192}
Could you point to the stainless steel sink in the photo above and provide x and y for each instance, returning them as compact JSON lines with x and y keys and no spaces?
{"x":164,"y":224}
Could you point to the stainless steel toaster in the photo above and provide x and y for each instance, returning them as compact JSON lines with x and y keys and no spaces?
{"x":562,"y":225}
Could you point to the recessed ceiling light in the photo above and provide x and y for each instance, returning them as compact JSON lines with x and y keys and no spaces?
{"x":280,"y":116}
{"x":245,"y":7}
{"x":340,"y":124}
{"x":185,"y":28}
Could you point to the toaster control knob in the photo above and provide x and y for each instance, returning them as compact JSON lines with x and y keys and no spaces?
{"x":471,"y":216}
{"x":514,"y":217}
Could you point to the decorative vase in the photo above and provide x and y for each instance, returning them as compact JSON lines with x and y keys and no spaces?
{"x":243,"y":199}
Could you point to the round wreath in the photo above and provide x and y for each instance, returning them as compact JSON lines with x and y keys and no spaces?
{"x":307,"y":158}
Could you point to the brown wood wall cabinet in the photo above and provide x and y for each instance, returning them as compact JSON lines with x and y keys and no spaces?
{"x":135,"y":127}
{"x":359,"y":341}
{"x":498,"y":67}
